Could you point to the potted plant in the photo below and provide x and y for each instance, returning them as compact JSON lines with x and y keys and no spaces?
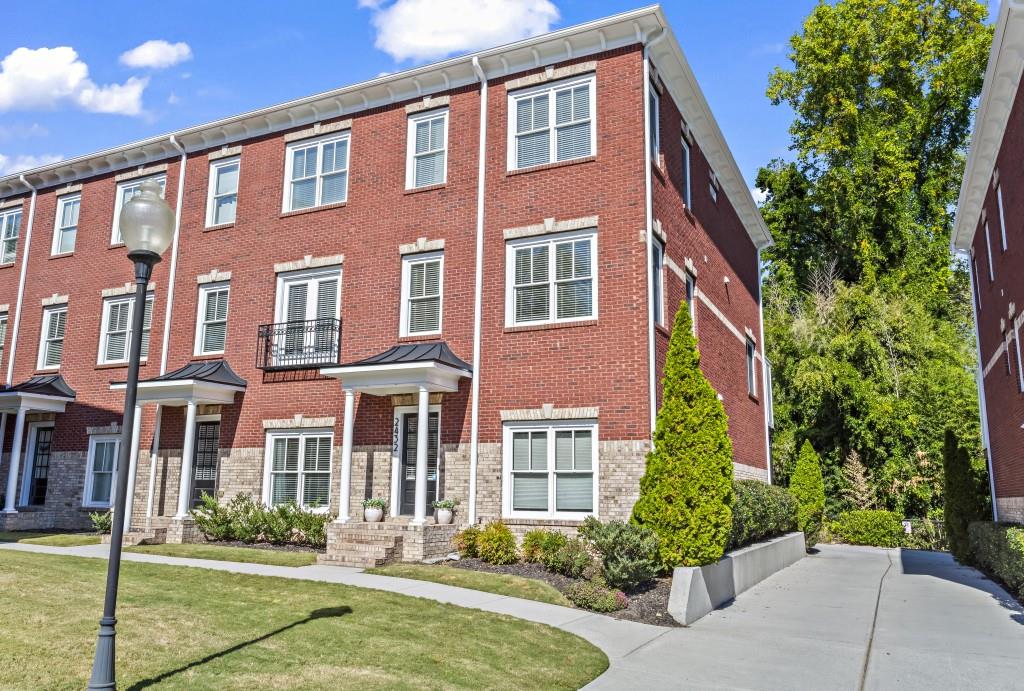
{"x":443,"y":510}
{"x":373,"y":509}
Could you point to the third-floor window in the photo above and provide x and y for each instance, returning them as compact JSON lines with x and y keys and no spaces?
{"x":316,"y":172}
{"x":10,"y":226}
{"x":426,"y":162}
{"x":553,"y":122}
{"x":222,"y":198}
{"x":125,"y":191}
{"x":66,"y":225}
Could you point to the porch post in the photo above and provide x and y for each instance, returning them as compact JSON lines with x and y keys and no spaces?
{"x":3,"y":434}
{"x":422,"y":435}
{"x":185,"y":482}
{"x":154,"y":457}
{"x":12,"y":473}
{"x":133,"y":466}
{"x":345,"y":492}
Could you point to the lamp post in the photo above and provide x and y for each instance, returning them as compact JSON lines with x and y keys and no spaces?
{"x":147,"y":226}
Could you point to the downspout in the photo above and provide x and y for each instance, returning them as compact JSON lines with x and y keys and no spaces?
{"x":21,"y":280}
{"x":766,"y":395}
{"x":474,"y":434}
{"x":979,"y":381}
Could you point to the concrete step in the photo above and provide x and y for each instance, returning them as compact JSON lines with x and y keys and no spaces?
{"x":360,"y":562}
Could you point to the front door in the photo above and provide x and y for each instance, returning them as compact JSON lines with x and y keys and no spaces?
{"x":204,"y":463}
{"x":40,"y":465}
{"x":410,"y":423}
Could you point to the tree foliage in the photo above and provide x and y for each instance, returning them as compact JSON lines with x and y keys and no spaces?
{"x":808,"y":488}
{"x":858,"y":490}
{"x":962,"y":497}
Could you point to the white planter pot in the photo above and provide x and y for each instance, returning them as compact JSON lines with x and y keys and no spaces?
{"x":443,"y":516}
{"x":372,"y":514}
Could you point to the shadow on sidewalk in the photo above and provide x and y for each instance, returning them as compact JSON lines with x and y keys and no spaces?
{"x":942,"y":565}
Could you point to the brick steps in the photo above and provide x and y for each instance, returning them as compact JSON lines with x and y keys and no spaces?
{"x":362,"y":545}
{"x":155,"y":536}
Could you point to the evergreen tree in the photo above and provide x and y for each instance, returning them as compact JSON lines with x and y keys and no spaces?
{"x":686,"y":491}
{"x":858,"y":489}
{"x":963,"y":503}
{"x":808,"y":489}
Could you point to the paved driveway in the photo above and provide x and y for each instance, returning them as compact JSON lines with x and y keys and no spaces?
{"x":845,"y":618}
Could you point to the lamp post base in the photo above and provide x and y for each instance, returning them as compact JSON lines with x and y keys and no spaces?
{"x":103,"y":676}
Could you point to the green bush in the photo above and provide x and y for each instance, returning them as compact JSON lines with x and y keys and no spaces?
{"x":213,"y":519}
{"x":998,"y":549}
{"x":596,"y":596}
{"x":686,"y":491}
{"x":963,"y":504}
{"x":537,"y":544}
{"x":466,"y":542}
{"x":868,"y":527}
{"x":102,"y":522}
{"x":572,"y":559}
{"x":808,"y":488}
{"x":760,"y":511}
{"x":311,"y":528}
{"x":497,"y":545}
{"x":925,"y":534}
{"x":629,"y":553}
{"x":246,"y":520}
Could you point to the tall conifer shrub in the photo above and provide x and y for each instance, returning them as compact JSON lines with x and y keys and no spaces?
{"x":808,"y":488}
{"x":962,"y":502}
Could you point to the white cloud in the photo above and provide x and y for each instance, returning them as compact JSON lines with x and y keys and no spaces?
{"x":157,"y":54}
{"x":430,"y":29}
{"x":22,"y":162}
{"x":760,"y":196}
{"x":173,"y":99}
{"x":45,"y":78}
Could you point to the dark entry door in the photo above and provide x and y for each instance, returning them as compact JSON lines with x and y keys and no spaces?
{"x":204,"y":461}
{"x":40,"y":466}
{"x":410,"y":434}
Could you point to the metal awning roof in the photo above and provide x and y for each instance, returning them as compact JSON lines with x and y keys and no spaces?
{"x":415,"y":352}
{"x":404,"y":368}
{"x":45,"y":392}
{"x":204,"y":381}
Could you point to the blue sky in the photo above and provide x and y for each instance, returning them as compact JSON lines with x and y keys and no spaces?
{"x":129,"y":70}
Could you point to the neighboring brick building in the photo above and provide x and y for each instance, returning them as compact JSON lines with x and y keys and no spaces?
{"x":990,"y":236}
{"x":515,"y":294}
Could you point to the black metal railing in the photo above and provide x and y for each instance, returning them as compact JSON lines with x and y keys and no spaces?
{"x":298,"y":344}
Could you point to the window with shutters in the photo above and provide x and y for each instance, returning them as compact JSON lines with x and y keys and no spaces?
{"x":422,"y":291}
{"x":316,"y":172}
{"x":212,"y":324}
{"x":426,"y":159}
{"x":299,"y":469}
{"x":115,"y":335}
{"x":551,"y":279}
{"x":99,"y":476}
{"x":65,"y":227}
{"x":658,"y":281}
{"x":51,"y":342}
{"x":222,"y":197}
{"x":125,"y":192}
{"x":550,"y":123}
{"x":550,"y":470}
{"x":308,"y":309}
{"x":10,"y":226}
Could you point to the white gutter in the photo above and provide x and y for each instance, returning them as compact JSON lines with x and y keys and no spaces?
{"x":474,"y":425}
{"x":21,"y":280}
{"x":174,"y":253}
{"x":766,"y":397}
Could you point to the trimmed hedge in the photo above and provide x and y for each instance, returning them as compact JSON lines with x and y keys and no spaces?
{"x":868,"y":527}
{"x":246,"y":520}
{"x":998,"y":548}
{"x":759,"y":512}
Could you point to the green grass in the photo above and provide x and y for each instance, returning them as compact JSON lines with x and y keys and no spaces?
{"x":249,"y":555}
{"x":497,"y":583}
{"x":181,"y":627}
{"x":51,"y":539}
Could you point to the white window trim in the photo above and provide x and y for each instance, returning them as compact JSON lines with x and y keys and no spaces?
{"x":659,"y":309}
{"x":30,"y":459}
{"x":4,"y":215}
{"x":115,"y":231}
{"x":686,"y":172}
{"x":61,"y":201}
{"x":690,"y":292}
{"x":286,"y":197}
{"x":513,"y":97}
{"x":550,"y":427}
{"x":397,"y":442}
{"x":407,"y":262}
{"x":93,"y":440}
{"x":105,"y":321}
{"x":655,"y":126}
{"x":268,"y":463}
{"x":988,"y":248}
{"x":750,"y":356}
{"x":1020,"y":369}
{"x":1002,"y":218}
{"x":301,"y":276}
{"x":48,"y":313}
{"x":211,"y":192}
{"x":201,"y":317}
{"x":4,"y":324}
{"x":510,"y":276}
{"x":410,"y":149}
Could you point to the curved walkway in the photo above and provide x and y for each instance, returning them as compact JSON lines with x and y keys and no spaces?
{"x":845,"y":618}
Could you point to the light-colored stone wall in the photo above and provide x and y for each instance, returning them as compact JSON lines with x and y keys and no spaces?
{"x":741,"y":471}
{"x":62,"y":509}
{"x":1011,"y":509}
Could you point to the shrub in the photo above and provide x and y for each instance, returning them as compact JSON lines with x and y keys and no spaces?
{"x":596,"y":596}
{"x":629,"y":553}
{"x":998,"y":548}
{"x":924,"y":534}
{"x":808,"y":489}
{"x":311,"y":528}
{"x":497,"y":545}
{"x":760,"y":511}
{"x":868,"y":527}
{"x":686,"y":491}
{"x":962,"y":505}
{"x":538,"y":544}
{"x":102,"y":522}
{"x":247,"y":520}
{"x":572,"y":559}
{"x":213,"y":519}
{"x":466,"y":542}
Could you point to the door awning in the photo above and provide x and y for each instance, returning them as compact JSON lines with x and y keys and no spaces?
{"x":204,"y":381}
{"x":46,"y":393}
{"x":404,"y":368}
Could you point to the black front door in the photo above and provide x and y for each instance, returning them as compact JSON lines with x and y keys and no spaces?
{"x":40,"y":466}
{"x":410,"y":423}
{"x":204,"y":463}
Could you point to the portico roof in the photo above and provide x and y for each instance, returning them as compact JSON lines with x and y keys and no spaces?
{"x":47,"y":392}
{"x":204,"y":381}
{"x":404,"y":368}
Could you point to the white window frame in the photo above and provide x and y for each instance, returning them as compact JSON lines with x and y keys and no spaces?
{"x":58,"y":229}
{"x":1020,"y":368}
{"x":304,"y":276}
{"x":268,"y":464}
{"x":550,"y":427}
{"x":319,"y":143}
{"x":5,"y":217}
{"x":211,"y":193}
{"x":30,"y":461}
{"x":115,"y":231}
{"x":44,"y":342}
{"x":515,"y":96}
{"x":658,"y":280}
{"x":988,"y":248}
{"x":410,"y":153}
{"x":407,"y":263}
{"x":101,"y":356}
{"x":551,"y":240}
{"x":769,"y":394}
{"x":202,"y":321}
{"x":750,"y":354}
{"x":87,"y":495}
{"x":686,"y":172}
{"x":4,"y":321}
{"x":690,"y":287}
{"x":655,"y":123}
{"x":1002,"y":218}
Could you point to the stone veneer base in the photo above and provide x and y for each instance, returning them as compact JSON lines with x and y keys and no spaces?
{"x":1011,"y":509}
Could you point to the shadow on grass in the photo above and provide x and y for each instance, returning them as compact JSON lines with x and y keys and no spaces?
{"x":942,"y":565}
{"x":323,"y":613}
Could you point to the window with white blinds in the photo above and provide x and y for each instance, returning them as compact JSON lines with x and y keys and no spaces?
{"x":551,"y":279}
{"x":658,"y":281}
{"x":51,"y":343}
{"x":10,"y":226}
{"x":316,"y":172}
{"x":3,"y":334}
{"x":299,"y":469}
{"x":426,"y":160}
{"x":99,"y":476}
{"x":422,"y":291}
{"x":222,"y":197}
{"x":654,"y":122}
{"x":751,"y":368}
{"x":550,"y":471}
{"x":125,"y":191}
{"x":65,"y":227}
{"x":116,"y":337}
{"x":691,"y":304}
{"x":212,"y":326}
{"x":308,"y":305}
{"x":554,"y":122}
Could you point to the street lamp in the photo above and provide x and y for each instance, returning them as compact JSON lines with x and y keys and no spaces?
{"x":147,"y":226}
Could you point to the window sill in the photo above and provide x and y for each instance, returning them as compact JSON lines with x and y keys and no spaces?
{"x":313,"y":209}
{"x":549,"y":166}
{"x":221,"y":226}
{"x":543,"y":520}
{"x":658,"y":169}
{"x":663,"y":330}
{"x":427,"y":188}
{"x":9,"y":265}
{"x":117,"y":246}
{"x":45,"y":371}
{"x":117,"y":365}
{"x":63,"y":255}
{"x":551,"y":325}
{"x":414,"y":338}
{"x":92,"y":508}
{"x":208,"y":356}
{"x":753,"y":397}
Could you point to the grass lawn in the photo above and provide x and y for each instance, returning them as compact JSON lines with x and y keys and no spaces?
{"x":51,"y":539}
{"x":497,"y":583}
{"x":250,"y":555}
{"x":181,"y":627}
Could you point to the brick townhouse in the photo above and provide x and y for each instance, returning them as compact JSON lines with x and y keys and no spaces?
{"x":492,"y":247}
{"x":989,"y":235}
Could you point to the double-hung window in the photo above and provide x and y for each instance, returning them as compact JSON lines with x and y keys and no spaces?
{"x":426,"y":160}
{"x":222,"y":197}
{"x":551,"y":279}
{"x":65,"y":227}
{"x":116,"y":335}
{"x":550,"y":471}
{"x":125,"y":192}
{"x":3,"y":333}
{"x":10,"y":225}
{"x":212,"y":324}
{"x":422,"y":290}
{"x":654,"y":131}
{"x":51,"y":341}
{"x":308,"y":305}
{"x":316,"y":172}
{"x":658,"y":281}
{"x":1002,"y":217}
{"x":988,"y":249}
{"x":686,"y":172}
{"x":554,"y":122}
{"x":751,"y":368}
{"x":99,"y":478}
{"x":691,"y":304}
{"x":299,"y":469}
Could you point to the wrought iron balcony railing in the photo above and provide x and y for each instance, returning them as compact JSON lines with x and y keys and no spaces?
{"x":298,"y":344}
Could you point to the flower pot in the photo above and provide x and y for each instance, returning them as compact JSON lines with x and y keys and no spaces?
{"x":373,"y":514}
{"x":443,"y":516}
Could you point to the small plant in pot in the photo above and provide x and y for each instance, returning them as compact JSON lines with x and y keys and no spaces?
{"x":373,"y":509}
{"x":444,"y":509}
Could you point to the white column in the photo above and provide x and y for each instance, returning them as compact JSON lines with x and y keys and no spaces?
{"x":345,"y":492}
{"x":422,"y":436}
{"x":133,"y":467}
{"x":3,"y":433}
{"x":186,"y":461}
{"x":12,"y":473}
{"x":154,"y":456}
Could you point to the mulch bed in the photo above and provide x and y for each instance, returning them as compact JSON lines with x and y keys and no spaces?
{"x":648,"y":604}
{"x":265,"y":545}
